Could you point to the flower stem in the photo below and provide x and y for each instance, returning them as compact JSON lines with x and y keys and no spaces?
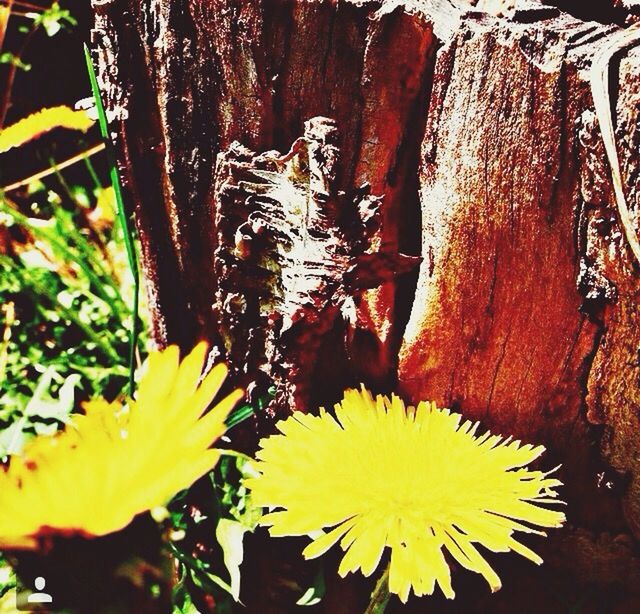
{"x":51,"y":170}
{"x":380,"y":595}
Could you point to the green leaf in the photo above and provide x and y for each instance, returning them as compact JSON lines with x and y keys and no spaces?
{"x":12,"y":439}
{"x":9,"y":58}
{"x":54,"y":19}
{"x":309,"y":598}
{"x":315,"y":593}
{"x":7,"y":578}
{"x":183,"y":603}
{"x":45,"y":406}
{"x":123,"y":217}
{"x":35,"y":186}
{"x":81,"y":196}
{"x":230,"y":536}
{"x":238,"y":415}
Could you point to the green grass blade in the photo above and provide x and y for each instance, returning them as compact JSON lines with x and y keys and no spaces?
{"x":67,"y":253}
{"x":31,"y":285}
{"x":239,"y":415}
{"x":123,"y":218}
{"x":89,"y":256}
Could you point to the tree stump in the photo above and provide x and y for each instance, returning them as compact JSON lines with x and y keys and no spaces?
{"x":469,"y":219}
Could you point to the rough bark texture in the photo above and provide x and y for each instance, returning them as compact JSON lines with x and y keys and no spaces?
{"x":507,"y":308}
{"x":464,"y":135}
{"x":292,"y":257}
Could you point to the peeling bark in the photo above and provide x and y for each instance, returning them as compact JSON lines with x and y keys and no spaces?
{"x":216,"y":72}
{"x":293,"y":255}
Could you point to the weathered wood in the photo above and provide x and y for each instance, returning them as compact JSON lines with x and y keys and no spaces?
{"x":498,"y":326}
{"x":293,"y":255}
{"x":215,"y":72}
{"x":476,"y":131}
{"x":605,"y":11}
{"x":509,"y":308}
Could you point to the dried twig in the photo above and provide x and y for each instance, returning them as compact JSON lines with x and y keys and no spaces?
{"x":54,"y":169}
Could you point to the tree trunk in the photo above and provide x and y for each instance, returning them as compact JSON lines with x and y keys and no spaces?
{"x":417,"y":195}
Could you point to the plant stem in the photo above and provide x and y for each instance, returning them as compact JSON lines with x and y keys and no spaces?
{"x":51,"y":171}
{"x":8,"y":310}
{"x":92,"y":171}
{"x":26,"y":5}
{"x":380,"y":595}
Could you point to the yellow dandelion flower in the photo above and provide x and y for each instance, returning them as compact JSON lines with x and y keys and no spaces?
{"x":45,"y":120}
{"x":416,"y":480}
{"x":113,"y":463}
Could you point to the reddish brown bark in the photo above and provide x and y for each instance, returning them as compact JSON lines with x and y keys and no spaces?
{"x":499,"y":326}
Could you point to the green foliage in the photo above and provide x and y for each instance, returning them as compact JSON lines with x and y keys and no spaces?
{"x":66,"y":280}
{"x":70,"y":331}
{"x":7,"y":584}
{"x":226,"y":511}
{"x":9,"y":58}
{"x":243,"y":412}
{"x":65,"y":291}
{"x":54,"y":19}
{"x":123,"y":217}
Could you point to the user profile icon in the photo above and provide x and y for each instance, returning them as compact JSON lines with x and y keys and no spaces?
{"x":40,"y":597}
{"x":34,"y":599}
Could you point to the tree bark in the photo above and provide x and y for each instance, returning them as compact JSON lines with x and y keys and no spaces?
{"x":445,"y":226}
